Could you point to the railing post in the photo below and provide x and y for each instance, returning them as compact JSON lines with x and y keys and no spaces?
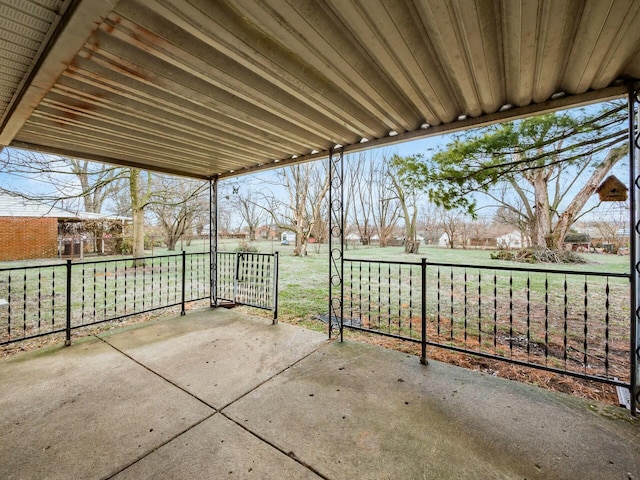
{"x":236,"y":277}
{"x":423,"y":313}
{"x":213,"y":242}
{"x":275,"y":287}
{"x":184,"y":281}
{"x":634,"y":251}
{"x":67,"y":340}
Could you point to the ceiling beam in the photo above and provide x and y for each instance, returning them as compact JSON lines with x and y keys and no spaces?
{"x":33,"y":147}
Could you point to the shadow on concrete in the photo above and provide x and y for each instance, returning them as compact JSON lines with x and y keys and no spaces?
{"x":215,"y":394}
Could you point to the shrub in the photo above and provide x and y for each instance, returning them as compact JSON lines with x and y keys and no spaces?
{"x":502,"y":255}
{"x":246,"y":246}
{"x":124,"y":246}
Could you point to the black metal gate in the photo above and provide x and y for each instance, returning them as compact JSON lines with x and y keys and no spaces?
{"x":251,"y":279}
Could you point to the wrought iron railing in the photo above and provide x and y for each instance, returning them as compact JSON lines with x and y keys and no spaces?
{"x":568,"y":322}
{"x":55,"y":298}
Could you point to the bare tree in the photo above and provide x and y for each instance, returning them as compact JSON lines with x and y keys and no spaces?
{"x":466,"y":230}
{"x":451,"y":222}
{"x":245,"y":203}
{"x":511,"y":215}
{"x":609,"y":222}
{"x":176,"y":202}
{"x":361,"y":195}
{"x":407,"y":196}
{"x":320,"y":223}
{"x":75,"y":184}
{"x":430,"y":222}
{"x":479,"y":229}
{"x":386,"y":207}
{"x":97,"y":182}
{"x":306,"y":187}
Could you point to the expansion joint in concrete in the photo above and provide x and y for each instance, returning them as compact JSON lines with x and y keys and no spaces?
{"x":159,"y":375}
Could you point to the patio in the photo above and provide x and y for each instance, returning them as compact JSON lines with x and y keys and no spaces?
{"x":217,"y":394}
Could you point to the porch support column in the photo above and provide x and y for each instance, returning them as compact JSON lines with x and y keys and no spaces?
{"x":336,"y":239}
{"x":213,"y":241}
{"x":634,"y":242}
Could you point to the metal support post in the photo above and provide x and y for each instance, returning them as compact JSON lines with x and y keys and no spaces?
{"x":67,"y":340}
{"x":236,"y":276}
{"x":336,"y":239}
{"x":213,"y":241}
{"x":634,"y":238}
{"x":423,"y":313}
{"x":276,"y":258}
{"x":184,"y":282}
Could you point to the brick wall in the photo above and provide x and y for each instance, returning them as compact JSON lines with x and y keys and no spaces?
{"x":23,"y":238}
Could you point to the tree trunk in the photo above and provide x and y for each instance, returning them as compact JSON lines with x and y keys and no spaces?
{"x":410,"y":218}
{"x":137,"y":212}
{"x":411,"y":246}
{"x":568,"y":217}
{"x":540,"y":236}
{"x":411,"y":243}
{"x":138,"y":233}
{"x":300,"y":249}
{"x":172,"y":241}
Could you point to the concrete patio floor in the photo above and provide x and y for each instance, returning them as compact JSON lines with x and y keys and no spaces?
{"x":216,"y":394}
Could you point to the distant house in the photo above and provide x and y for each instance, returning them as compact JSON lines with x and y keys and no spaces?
{"x":623,"y":233}
{"x":444,"y":240}
{"x":232,"y":235}
{"x":512,"y":240}
{"x":353,"y":238}
{"x":29,"y":229}
{"x":267,"y":232}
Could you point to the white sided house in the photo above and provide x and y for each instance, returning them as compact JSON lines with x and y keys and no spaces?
{"x":444,"y":240}
{"x":512,"y":241}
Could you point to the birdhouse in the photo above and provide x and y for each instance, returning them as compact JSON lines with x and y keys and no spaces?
{"x":612,"y":190}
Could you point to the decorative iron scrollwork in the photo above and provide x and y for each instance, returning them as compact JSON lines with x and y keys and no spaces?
{"x":634,"y":147}
{"x":336,"y":239}
{"x":213,"y":241}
